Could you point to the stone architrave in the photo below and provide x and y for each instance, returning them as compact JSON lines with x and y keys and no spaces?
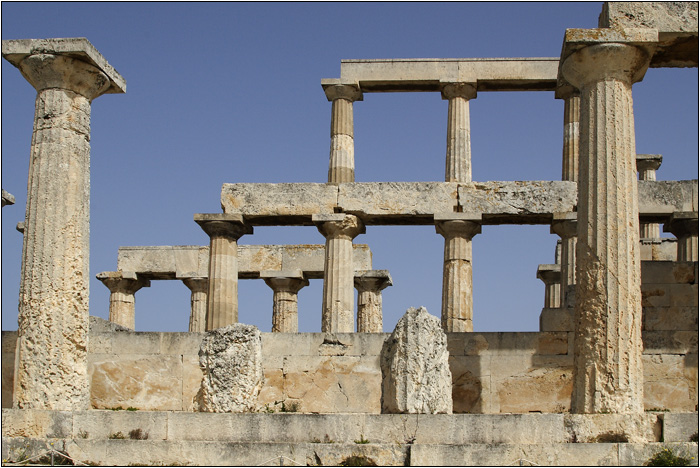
{"x":231,"y":361}
{"x":564,"y":225}
{"x":416,"y":375}
{"x":341,"y":167}
{"x":684,"y":225}
{"x":369,"y":285}
{"x":458,"y":161}
{"x":53,"y":304}
{"x":122,"y":286}
{"x":458,"y":229}
{"x":647,"y":165}
{"x":224,"y":230}
{"x":603,"y":64}
{"x":550,"y":276}
{"x":338,"y":271}
{"x":285,"y":286}
{"x":199,"y":288}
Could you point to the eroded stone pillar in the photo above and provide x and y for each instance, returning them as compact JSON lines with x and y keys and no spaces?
{"x":199,"y":288}
{"x":457,"y":301}
{"x":53,"y":304}
{"x":122,"y":287}
{"x":342,"y":156}
{"x":224,"y":230}
{"x":369,"y":285}
{"x":647,"y":165}
{"x":564,"y":225}
{"x":684,"y":225}
{"x":285,"y":287}
{"x":550,"y":276}
{"x":608,"y":317}
{"x":338,"y":271}
{"x":458,"y":161}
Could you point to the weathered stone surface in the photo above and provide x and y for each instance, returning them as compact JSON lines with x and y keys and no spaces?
{"x":231,"y":360}
{"x":670,"y":382}
{"x":660,"y":198}
{"x":416,"y":377}
{"x":7,"y":198}
{"x":659,"y":250}
{"x":680,"y":427}
{"x":9,"y":345}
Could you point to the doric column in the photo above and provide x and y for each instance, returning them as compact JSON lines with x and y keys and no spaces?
{"x":608,"y":317}
{"x":369,"y":285}
{"x":684,"y":225}
{"x":224,"y":230}
{"x":457,"y":301}
{"x":199,"y":288}
{"x":564,"y":225}
{"x":342,"y":156}
{"x":550,"y":276}
{"x":122,"y":286}
{"x":570,"y":149}
{"x":647,"y":165}
{"x":338,"y":271}
{"x":7,"y":198}
{"x":53,"y":304}
{"x":285,"y":286}
{"x":458,"y":162}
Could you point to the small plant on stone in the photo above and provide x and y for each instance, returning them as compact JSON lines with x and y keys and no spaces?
{"x":82,"y":434}
{"x":293,"y":407}
{"x":117,"y":408}
{"x":131,"y":408}
{"x":611,"y":437}
{"x":362,"y":440}
{"x":315,"y":440}
{"x":328,"y":440}
{"x":694,"y":437}
{"x":358,"y":460}
{"x":117,"y":435}
{"x":666,"y":457}
{"x":138,"y":434}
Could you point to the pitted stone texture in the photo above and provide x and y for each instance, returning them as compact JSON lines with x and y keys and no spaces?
{"x":416,"y":376}
{"x":271,"y":200}
{"x":231,"y":361}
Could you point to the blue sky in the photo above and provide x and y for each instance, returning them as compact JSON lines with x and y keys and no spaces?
{"x":230,"y":92}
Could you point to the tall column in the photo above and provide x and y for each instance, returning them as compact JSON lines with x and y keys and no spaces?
{"x":122,"y":287}
{"x":458,"y":161}
{"x":608,"y":317}
{"x":338,"y":270}
{"x":684,"y":225}
{"x":457,"y":301}
{"x":564,"y":225}
{"x":342,"y":156}
{"x":224,"y":230}
{"x":54,"y":293}
{"x":550,"y":276}
{"x":285,"y":287}
{"x":647,"y":164}
{"x":199,"y":288}
{"x":369,"y":285}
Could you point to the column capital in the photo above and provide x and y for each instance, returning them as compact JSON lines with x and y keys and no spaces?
{"x":564,"y":225}
{"x":450,"y":90}
{"x":7,"y":198}
{"x":457,"y":224}
{"x":647,"y":162}
{"x":334,"y":89}
{"x":123,"y":281}
{"x":372,"y":280}
{"x":339,"y":225}
{"x":290,"y":280}
{"x":196,"y":284}
{"x":549,"y":273}
{"x":682,"y":224}
{"x":228,"y":225}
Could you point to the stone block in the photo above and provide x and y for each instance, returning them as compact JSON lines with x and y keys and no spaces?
{"x":136,"y":343}
{"x":101,"y":424}
{"x":636,"y":428}
{"x":557,"y":320}
{"x":36,"y":423}
{"x":669,"y":318}
{"x":180,"y":343}
{"x":471,"y":384}
{"x":660,"y":198}
{"x":100,"y":343}
{"x":544,"y":390}
{"x":639,"y":454}
{"x":254,"y":258}
{"x":670,"y":383}
{"x":669,"y":272}
{"x":191,"y":382}
{"x":680,"y":427}
{"x":658,"y":250}
{"x":670,"y":342}
{"x":9,"y":344}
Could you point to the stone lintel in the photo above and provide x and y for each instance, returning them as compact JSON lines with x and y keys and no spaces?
{"x":380,"y":279}
{"x":7,"y":198}
{"x":549,"y":273}
{"x":127,"y":275}
{"x":648,"y":161}
{"x":682,"y":223}
{"x":296,"y":274}
{"x":80,"y":48}
{"x":448,"y":216}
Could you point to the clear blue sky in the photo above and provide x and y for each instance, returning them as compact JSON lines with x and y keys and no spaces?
{"x":230,"y":92}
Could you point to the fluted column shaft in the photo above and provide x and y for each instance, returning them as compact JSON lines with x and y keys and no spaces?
{"x":342,"y":154}
{"x":564,"y":225}
{"x":338,"y":271}
{"x":570,"y":151}
{"x":54,"y":292}
{"x":550,"y":276}
{"x":684,"y":225}
{"x":222,"y":299}
{"x":285,"y":317}
{"x":122,"y":299}
{"x":458,"y":164}
{"x":457,"y":291}
{"x":647,"y":164}
{"x":199,"y":288}
{"x":369,"y":302}
{"x":608,"y":346}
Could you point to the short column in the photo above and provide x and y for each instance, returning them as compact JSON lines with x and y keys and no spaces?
{"x":608,"y":375}
{"x":369,"y":285}
{"x":285,"y":286}
{"x":550,"y":276}
{"x":458,"y":161}
{"x":224,"y":230}
{"x":338,"y":270}
{"x":199,"y":288}
{"x":54,"y":293}
{"x":342,"y":155}
{"x":564,"y":225}
{"x":647,"y":165}
{"x":122,"y":286}
{"x":457,"y":299}
{"x":684,"y":225}
{"x":572,"y":117}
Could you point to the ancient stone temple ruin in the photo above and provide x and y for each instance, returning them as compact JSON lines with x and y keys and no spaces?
{"x":611,"y":377}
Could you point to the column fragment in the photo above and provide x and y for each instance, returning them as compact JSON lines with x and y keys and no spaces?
{"x":122,"y":287}
{"x":369,"y":285}
{"x":550,"y":276}
{"x":458,"y":161}
{"x":342,"y":155}
{"x":647,"y":165}
{"x":199,"y":288}
{"x":564,"y":225}
{"x":608,"y":341}
{"x":684,"y":225}
{"x":224,"y":230}
{"x":457,"y":301}
{"x":338,"y":271}
{"x":54,"y":293}
{"x":285,"y":287}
